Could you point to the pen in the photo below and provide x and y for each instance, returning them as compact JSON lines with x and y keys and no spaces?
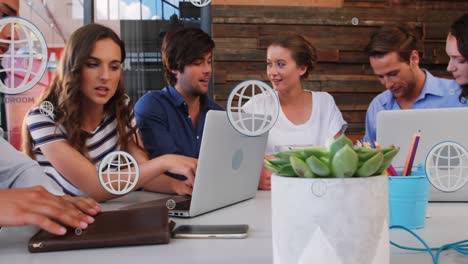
{"x":411,"y":154}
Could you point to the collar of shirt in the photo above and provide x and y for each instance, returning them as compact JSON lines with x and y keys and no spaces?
{"x":104,"y":121}
{"x":430,"y":87}
{"x":178,"y":101}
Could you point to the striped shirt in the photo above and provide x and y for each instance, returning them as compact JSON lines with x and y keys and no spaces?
{"x":45,"y":130}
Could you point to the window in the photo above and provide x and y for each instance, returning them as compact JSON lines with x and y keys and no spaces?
{"x":142,"y":25}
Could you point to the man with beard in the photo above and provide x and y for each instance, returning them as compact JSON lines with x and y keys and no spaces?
{"x":394,"y":55}
{"x":171,"y":120}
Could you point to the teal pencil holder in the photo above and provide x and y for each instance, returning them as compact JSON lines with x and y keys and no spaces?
{"x":408,"y":197}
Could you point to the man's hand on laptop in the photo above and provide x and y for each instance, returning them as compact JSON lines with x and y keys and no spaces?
{"x":181,"y":165}
{"x":182,"y":187}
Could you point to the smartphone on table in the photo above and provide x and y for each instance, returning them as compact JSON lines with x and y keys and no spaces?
{"x":211,"y":231}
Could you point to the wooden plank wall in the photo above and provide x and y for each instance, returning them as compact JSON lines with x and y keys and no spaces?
{"x":315,"y":3}
{"x":242,"y":34}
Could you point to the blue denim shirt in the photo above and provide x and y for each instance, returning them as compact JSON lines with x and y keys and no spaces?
{"x":436,"y":93}
{"x":165,"y":125}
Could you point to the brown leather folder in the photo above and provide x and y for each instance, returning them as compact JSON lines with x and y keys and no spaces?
{"x":149,"y":225}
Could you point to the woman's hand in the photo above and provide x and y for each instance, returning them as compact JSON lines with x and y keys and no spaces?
{"x":265,"y":179}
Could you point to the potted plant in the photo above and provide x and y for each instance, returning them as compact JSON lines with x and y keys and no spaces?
{"x":330,"y":204}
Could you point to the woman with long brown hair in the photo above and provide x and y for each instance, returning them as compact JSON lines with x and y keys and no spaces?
{"x":91,"y":118}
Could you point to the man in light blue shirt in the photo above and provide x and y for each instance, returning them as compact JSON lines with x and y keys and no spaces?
{"x":394,"y":58}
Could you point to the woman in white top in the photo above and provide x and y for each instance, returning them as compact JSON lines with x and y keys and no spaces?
{"x":306,"y":118}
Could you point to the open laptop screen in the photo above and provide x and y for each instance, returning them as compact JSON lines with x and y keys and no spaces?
{"x":436,"y":126}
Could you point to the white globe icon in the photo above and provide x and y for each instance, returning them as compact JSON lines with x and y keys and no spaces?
{"x":200,"y":3}
{"x":253,"y":107}
{"x":118,"y":172}
{"x":447,"y":166}
{"x":26,"y":58}
{"x":46,"y":108}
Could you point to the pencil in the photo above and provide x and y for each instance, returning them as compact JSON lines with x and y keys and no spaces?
{"x":411,"y":154}
{"x":377,"y":145}
{"x":387,"y":171}
{"x":392,"y":170}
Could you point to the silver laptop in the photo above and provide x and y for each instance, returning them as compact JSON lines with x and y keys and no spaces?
{"x":437,"y":126}
{"x":228,"y":169}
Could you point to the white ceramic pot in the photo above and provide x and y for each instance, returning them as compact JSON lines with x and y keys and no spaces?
{"x":333,"y":221}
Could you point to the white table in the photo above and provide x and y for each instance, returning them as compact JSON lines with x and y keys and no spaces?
{"x":448,"y":223}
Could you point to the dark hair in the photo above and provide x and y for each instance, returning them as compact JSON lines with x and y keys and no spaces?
{"x":459,"y":30}
{"x":303,"y":52}
{"x":181,"y":47}
{"x":401,"y":39}
{"x":65,"y":94}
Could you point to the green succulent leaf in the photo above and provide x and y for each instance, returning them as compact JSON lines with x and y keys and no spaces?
{"x":300,"y":167}
{"x":344,"y":162}
{"x":284,"y":155}
{"x":318,"y":166}
{"x":317,"y":151}
{"x":279,"y":162}
{"x":270,"y":166}
{"x":387,"y":159}
{"x":365,"y":153}
{"x":338,"y":144}
{"x":370,"y":166}
{"x":287,"y":170}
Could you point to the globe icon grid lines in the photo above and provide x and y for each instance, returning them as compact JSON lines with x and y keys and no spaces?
{"x":447,"y":166}
{"x":200,"y":3}
{"x":21,"y":70}
{"x":46,"y":108}
{"x":256,"y":110}
{"x":118,"y":172}
{"x":241,"y":96}
{"x":264,"y":120}
{"x":11,"y":50}
{"x":30,"y":61}
{"x":259,"y":121}
{"x":31,"y":35}
{"x":240,"y":120}
{"x":239,"y":105}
